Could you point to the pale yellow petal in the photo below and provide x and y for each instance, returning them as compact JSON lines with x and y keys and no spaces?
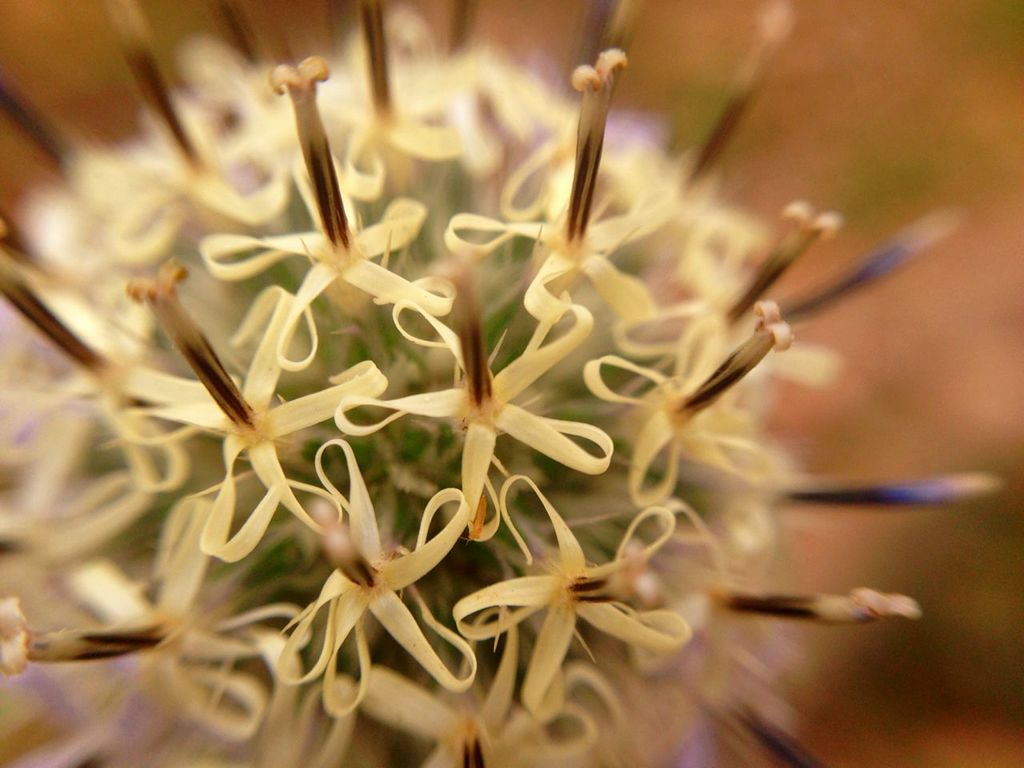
{"x":548,"y":436}
{"x":548,"y":654}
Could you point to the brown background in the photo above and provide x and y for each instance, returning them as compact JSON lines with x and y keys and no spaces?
{"x":884,"y":110}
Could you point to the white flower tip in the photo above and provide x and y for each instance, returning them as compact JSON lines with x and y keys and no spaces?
{"x":799,"y":211}
{"x":769,"y":318}
{"x":828,"y":223}
{"x":13,"y":637}
{"x":802,"y":213}
{"x":310,"y":71}
{"x":164,"y":286}
{"x":881,"y":605}
{"x":594,"y":78}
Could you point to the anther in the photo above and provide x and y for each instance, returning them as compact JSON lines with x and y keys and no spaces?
{"x":372,"y":15}
{"x":300,"y":85}
{"x":808,"y":229}
{"x":463,"y":15}
{"x":136,"y":42}
{"x":877,"y":263}
{"x":79,"y":645}
{"x":18,"y":292}
{"x":945,"y":489}
{"x":35,"y":127}
{"x":861,"y":605}
{"x":771,"y":333}
{"x":774,"y":27}
{"x":468,"y":323}
{"x":596,"y":84}
{"x":162,"y":297}
{"x":476,"y":526}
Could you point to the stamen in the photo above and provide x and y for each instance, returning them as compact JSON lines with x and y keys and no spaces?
{"x":300,"y":84}
{"x":476,"y":527}
{"x":162,"y":297}
{"x":862,"y":605}
{"x":590,"y":590}
{"x":30,"y":306}
{"x":31,"y":122}
{"x":944,"y":489}
{"x":878,"y":263}
{"x":779,"y":743}
{"x":776,"y":22}
{"x":469,"y":327}
{"x":463,"y":16}
{"x":596,"y":84}
{"x":372,"y":15}
{"x":771,"y":333}
{"x":136,"y":42}
{"x":338,"y":547}
{"x":809,"y":229}
{"x":78,"y":645}
{"x":236,"y":23}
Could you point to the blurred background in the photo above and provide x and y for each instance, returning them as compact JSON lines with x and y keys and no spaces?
{"x":885,"y":111}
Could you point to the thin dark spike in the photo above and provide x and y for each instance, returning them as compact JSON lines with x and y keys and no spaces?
{"x":794,"y":244}
{"x":876,"y":264}
{"x":136,"y":42}
{"x":238,"y":25}
{"x":596,"y":84}
{"x":477,"y":754}
{"x":771,"y":333}
{"x":467,"y":758}
{"x":162,"y":297}
{"x":933,"y":490}
{"x":372,"y":16}
{"x":775,"y":24}
{"x":83,"y":646}
{"x":30,"y":306}
{"x":300,"y":85}
{"x":861,"y":605}
{"x":779,"y":744}
{"x":33,"y":125}
{"x":463,"y":16}
{"x":469,"y":327}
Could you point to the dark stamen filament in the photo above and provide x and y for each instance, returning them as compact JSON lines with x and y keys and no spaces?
{"x":300,"y":84}
{"x":77,"y":645}
{"x":861,"y":605}
{"x":162,"y":297}
{"x":472,"y":753}
{"x":138,"y":50}
{"x":934,"y":490}
{"x":771,"y":333}
{"x":463,"y":15}
{"x":372,"y":16}
{"x":31,"y":123}
{"x":17,"y":291}
{"x":590,"y":590}
{"x":809,"y":229}
{"x":237,"y":25}
{"x":469,"y":327}
{"x":877,"y":263}
{"x":596,"y":84}
{"x":775,"y":25}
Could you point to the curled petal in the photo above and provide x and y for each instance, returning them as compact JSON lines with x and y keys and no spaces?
{"x":447,"y":403}
{"x":345,"y":606}
{"x":490,"y":233}
{"x":627,"y":295}
{"x":656,"y":433}
{"x":548,"y":436}
{"x":530,"y":593}
{"x":426,"y":142}
{"x":595,"y":381}
{"x":546,"y":661}
{"x":660,"y":631}
{"x":239,"y":257}
{"x":398,"y":620}
{"x":570,"y":553}
{"x":409,"y":707}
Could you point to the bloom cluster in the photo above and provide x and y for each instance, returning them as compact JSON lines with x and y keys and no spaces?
{"x":455,"y":427}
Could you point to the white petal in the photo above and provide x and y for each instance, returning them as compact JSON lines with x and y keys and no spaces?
{"x":547,"y":657}
{"x":548,"y":436}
